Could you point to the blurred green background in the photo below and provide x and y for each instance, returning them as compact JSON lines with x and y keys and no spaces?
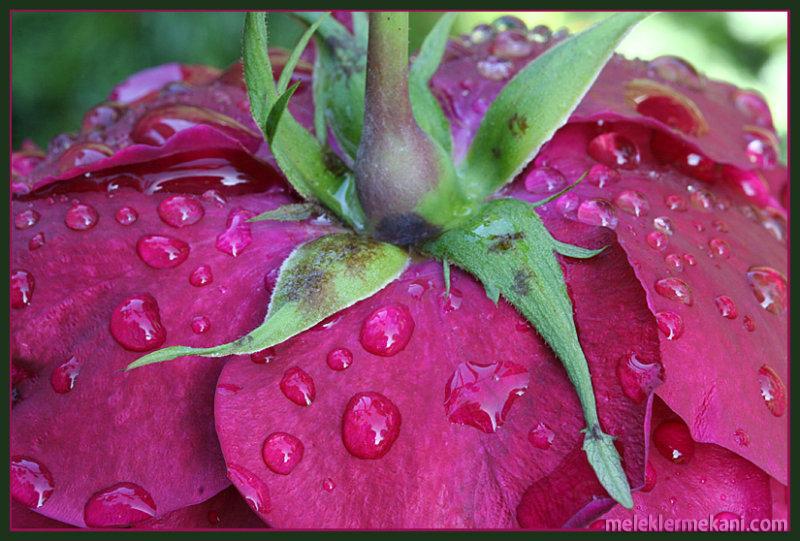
{"x":63,"y":63}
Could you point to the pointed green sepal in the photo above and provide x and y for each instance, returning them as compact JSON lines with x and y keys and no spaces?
{"x":294,"y":212}
{"x":294,"y":57}
{"x":506,"y":247}
{"x":276,"y":112}
{"x":536,"y":102}
{"x":570,"y":250}
{"x":317,"y":280}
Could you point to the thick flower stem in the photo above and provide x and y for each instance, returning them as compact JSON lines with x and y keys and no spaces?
{"x":397,"y":164}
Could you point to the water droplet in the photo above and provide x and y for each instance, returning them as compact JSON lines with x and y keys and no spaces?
{"x":126,"y":216}
{"x":81,"y":217}
{"x":770,"y":288}
{"x":36,"y":242}
{"x":720,"y":226}
{"x":674,"y":262}
{"x":675,"y":202}
{"x":22,"y":286}
{"x":657,"y":240}
{"x":136,"y":324}
{"x":370,"y":425}
{"x":180,"y":210}
{"x":282,"y":452}
{"x":650,"y":477}
{"x":663,"y":224}
{"x":731,"y":520}
{"x":213,"y":196}
{"x":328,"y":485}
{"x":481,"y":33}
{"x":120,"y":505}
{"x":481,"y":395}
{"x":31,"y":483}
{"x":741,"y":437}
{"x":719,"y":248}
{"x":675,"y":70}
{"x":509,"y":22}
{"x":674,"y":441}
{"x":540,"y":34}
{"x":253,"y":489}
{"x":675,"y":289}
{"x":158,"y":125}
{"x":632,"y":202}
{"x":689,"y":258}
{"x":601,"y":175}
{"x":544,"y":180}
{"x":201,"y":276}
{"x":670,"y":324}
{"x":161,"y":251}
{"x":339,"y":358}
{"x":237,"y":235}
{"x":568,"y":205}
{"x":702,"y":200}
{"x":298,"y":386}
{"x":387,"y":330}
{"x":597,"y":212}
{"x":82,"y":154}
{"x":64,"y":376}
{"x":495,"y":69}
{"x":614,"y":150}
{"x":417,"y":288}
{"x":754,"y":107}
{"x":541,"y":436}
{"x":773,"y":391}
{"x":200,"y":324}
{"x":265,"y":356}
{"x":101,"y":116}
{"x":26,"y":219}
{"x":637,"y":378}
{"x":749,"y":323}
{"x":451,"y":302}
{"x":761,"y":148}
{"x":667,"y":105}
{"x":511,"y":44}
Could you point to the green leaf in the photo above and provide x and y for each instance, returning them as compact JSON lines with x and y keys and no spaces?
{"x":536,"y":102}
{"x":317,"y":280}
{"x":276,"y":112}
{"x":306,"y":164}
{"x":507,"y":247}
{"x":294,"y":212}
{"x":341,"y":77}
{"x":291,"y":63}
{"x":577,"y":252}
{"x":427,"y":112}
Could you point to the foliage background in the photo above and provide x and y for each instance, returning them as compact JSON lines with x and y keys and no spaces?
{"x":63,"y":63}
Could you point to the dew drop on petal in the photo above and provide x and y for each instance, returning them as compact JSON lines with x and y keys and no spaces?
{"x":237,"y":235}
{"x":544,"y":180}
{"x":773,"y":391}
{"x":726,"y":307}
{"x":670,"y":324}
{"x":201,"y":276}
{"x":120,"y":505}
{"x":632,"y":202}
{"x":675,"y":289}
{"x":161,"y":251}
{"x":265,"y":356}
{"x":663,"y":224}
{"x":674,"y":262}
{"x":26,"y":219}
{"x":674,"y":441}
{"x":328,"y":485}
{"x":22,"y":286}
{"x":387,"y":330}
{"x":675,"y":70}
{"x":370,"y":425}
{"x":657,"y":240}
{"x":200,"y":324}
{"x":31,"y":482}
{"x":136,"y":324}
{"x":614,"y":150}
{"x":769,"y":287}
{"x":252,"y":489}
{"x":36,"y":242}
{"x":741,"y":437}
{"x":64,"y":376}
{"x":754,"y":107}
{"x":298,"y":386}
{"x":638,"y":378}
{"x":597,"y":212}
{"x":452,"y":301}
{"x":719,"y":248}
{"x":675,"y":202}
{"x":180,"y":210}
{"x":495,"y":69}
{"x":340,"y":358}
{"x":749,"y":323}
{"x":541,"y":436}
{"x":81,"y":217}
{"x":601,"y":175}
{"x":282,"y":452}
{"x":481,"y":395}
{"x":126,"y":216}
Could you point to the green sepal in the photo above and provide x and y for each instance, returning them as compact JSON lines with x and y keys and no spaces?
{"x":276,"y":112}
{"x":293,"y":212}
{"x":294,"y":57}
{"x":536,"y":102}
{"x":427,"y":111}
{"x":577,"y":252}
{"x":446,"y":275}
{"x":317,"y":280}
{"x":506,"y":247}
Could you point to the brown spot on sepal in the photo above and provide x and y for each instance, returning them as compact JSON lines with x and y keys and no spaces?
{"x":502,"y":243}
{"x":518,"y":125}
